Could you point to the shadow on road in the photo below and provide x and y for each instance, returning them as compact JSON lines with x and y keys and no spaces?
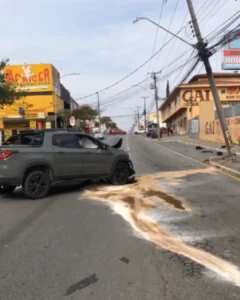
{"x":56,"y":190}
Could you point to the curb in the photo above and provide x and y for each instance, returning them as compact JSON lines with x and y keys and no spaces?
{"x":201,"y":145}
{"x":223,"y":168}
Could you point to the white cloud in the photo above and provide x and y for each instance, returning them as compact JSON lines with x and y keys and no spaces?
{"x":98,"y":39}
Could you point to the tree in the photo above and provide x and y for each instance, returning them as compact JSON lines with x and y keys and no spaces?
{"x":8,"y":91}
{"x":112,"y":125}
{"x":85,"y":113}
{"x":106,"y":120}
{"x":65,"y":114}
{"x":167,"y":89}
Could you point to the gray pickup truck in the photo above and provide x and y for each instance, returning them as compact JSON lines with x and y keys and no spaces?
{"x":37,"y":159}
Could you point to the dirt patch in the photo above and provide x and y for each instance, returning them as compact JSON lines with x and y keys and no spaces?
{"x":165,"y":197}
{"x":133,"y":203}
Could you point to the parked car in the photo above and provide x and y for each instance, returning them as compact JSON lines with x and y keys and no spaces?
{"x":149,"y":132}
{"x":139,"y":131}
{"x":117,"y":131}
{"x":37,"y":159}
{"x":98,"y":135}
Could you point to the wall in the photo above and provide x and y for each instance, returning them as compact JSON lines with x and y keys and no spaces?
{"x":31,"y":104}
{"x":210,"y":129}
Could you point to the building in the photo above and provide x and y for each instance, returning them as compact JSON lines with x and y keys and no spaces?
{"x":182,"y":105}
{"x":40,"y":86}
{"x":152,"y":119}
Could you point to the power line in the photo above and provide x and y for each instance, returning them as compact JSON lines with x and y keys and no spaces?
{"x":127,"y":76}
{"x":156,"y":36}
{"x":175,"y":9}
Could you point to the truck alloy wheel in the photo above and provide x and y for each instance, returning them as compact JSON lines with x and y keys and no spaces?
{"x":36,"y":185}
{"x":121,"y":174}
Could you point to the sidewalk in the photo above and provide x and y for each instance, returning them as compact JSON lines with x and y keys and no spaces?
{"x":197,"y":142}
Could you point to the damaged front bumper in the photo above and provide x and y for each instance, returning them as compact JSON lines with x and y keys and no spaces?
{"x":131,"y":171}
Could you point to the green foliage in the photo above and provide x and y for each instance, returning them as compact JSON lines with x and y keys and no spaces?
{"x":84,"y":113}
{"x":8,"y":92}
{"x":112,"y":125}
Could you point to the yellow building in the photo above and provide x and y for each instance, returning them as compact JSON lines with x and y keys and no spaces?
{"x":40,"y":83}
{"x":182,"y":105}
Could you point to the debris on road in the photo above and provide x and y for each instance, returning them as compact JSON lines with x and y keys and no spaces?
{"x":134,"y":202}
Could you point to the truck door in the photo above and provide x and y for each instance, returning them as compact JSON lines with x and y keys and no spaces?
{"x":68,"y":155}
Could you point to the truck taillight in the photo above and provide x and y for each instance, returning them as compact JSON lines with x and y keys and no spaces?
{"x":5,"y":154}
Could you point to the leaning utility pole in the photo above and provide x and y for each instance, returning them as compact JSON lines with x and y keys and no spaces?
{"x":204,"y":54}
{"x":98,"y":110}
{"x":145,"y":113}
{"x":156,"y":101}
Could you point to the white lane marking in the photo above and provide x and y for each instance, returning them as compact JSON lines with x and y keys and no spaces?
{"x":174,"y":152}
{"x":128,"y":147}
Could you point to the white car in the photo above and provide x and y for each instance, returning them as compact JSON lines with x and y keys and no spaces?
{"x":98,"y":135}
{"x":139,"y":131}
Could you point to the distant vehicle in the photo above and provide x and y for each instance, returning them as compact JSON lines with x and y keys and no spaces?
{"x":117,"y":131}
{"x":37,"y":159}
{"x":139,"y":131}
{"x":98,"y":135}
{"x":149,"y":132}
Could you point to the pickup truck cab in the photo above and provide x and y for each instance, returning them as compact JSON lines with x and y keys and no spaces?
{"x":36,"y":159}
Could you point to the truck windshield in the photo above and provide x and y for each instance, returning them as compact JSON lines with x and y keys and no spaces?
{"x":35,"y":139}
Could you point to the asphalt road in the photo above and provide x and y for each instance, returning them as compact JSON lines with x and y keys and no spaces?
{"x":69,"y":247}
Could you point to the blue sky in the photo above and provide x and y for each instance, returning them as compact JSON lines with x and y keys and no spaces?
{"x":98,"y":39}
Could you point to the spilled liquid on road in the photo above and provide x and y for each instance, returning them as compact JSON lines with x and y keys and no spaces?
{"x":133,"y":202}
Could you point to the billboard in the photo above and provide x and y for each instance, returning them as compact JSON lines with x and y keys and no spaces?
{"x":231,"y":51}
{"x":34,"y":77}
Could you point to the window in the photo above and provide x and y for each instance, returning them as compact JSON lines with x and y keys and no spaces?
{"x":65,"y":140}
{"x":87,"y":143}
{"x":35,"y":139}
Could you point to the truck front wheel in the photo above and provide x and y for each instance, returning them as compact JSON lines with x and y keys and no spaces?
{"x":36,"y":184}
{"x":120,"y":174}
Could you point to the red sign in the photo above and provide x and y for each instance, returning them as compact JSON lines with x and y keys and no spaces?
{"x":39,"y":125}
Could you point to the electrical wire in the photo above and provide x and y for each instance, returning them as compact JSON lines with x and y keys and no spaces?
{"x":174,"y":12}
{"x":127,"y":76}
{"x":157,"y":30}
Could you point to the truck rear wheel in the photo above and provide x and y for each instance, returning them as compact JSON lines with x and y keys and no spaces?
{"x":36,"y":184}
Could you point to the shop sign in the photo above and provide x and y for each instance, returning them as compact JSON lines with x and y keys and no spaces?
{"x":199,"y":95}
{"x":231,"y":51}
{"x":34,"y":77}
{"x":48,"y":125}
{"x":32,"y":124}
{"x":231,"y":93}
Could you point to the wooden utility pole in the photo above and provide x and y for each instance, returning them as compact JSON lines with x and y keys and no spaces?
{"x":98,"y":110}
{"x":138,"y":115}
{"x":145,"y":113}
{"x":204,"y":54}
{"x":154,"y":76}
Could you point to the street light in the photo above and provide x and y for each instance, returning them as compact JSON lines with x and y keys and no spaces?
{"x":70,"y":74}
{"x":55,"y":104}
{"x":163,"y":28}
